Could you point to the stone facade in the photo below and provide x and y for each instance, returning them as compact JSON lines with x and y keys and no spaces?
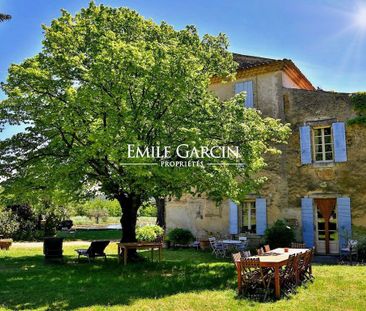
{"x":277,"y":96}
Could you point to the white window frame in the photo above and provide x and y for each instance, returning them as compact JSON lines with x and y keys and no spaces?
{"x":248,"y":215}
{"x":322,"y":144}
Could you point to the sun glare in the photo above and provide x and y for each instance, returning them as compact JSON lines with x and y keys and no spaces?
{"x":360,"y":18}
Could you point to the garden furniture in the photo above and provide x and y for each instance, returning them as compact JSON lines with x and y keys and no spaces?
{"x":218,"y":248}
{"x":123,"y":248}
{"x":276,"y":259}
{"x":254,"y":279}
{"x":297,"y":245}
{"x":304,"y":266}
{"x":289,"y":276}
{"x":245,"y":254}
{"x":243,"y":245}
{"x":267,"y":248}
{"x":5,"y":243}
{"x":52,"y":248}
{"x":350,"y":250}
{"x":96,"y":249}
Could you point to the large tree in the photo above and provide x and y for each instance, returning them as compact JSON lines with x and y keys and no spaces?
{"x":106,"y":78}
{"x":4,"y":17}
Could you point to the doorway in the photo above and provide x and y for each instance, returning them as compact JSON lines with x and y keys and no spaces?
{"x":326,"y":226}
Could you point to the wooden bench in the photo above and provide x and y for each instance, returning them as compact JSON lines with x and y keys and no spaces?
{"x":5,"y":243}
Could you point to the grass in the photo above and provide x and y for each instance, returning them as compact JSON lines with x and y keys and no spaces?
{"x":185,"y":280}
{"x":90,"y":235}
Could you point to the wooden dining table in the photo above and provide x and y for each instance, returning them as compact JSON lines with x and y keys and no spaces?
{"x":276,"y":262}
{"x":123,"y":248}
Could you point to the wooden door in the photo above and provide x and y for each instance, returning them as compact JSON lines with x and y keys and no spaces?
{"x":326,"y":226}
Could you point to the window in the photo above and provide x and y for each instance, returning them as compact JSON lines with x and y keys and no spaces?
{"x":247,"y":87}
{"x":323,"y":144}
{"x":248,"y":217}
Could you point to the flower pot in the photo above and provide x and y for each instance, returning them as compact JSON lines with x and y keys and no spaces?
{"x":204,"y":244}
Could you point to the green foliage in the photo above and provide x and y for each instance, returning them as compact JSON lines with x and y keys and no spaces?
{"x":98,"y":213}
{"x":110,"y":207}
{"x":149,"y":233}
{"x":107,"y":77}
{"x":26,"y":219}
{"x":148,"y":210}
{"x":280,"y":234}
{"x":8,"y":223}
{"x":358,"y":101}
{"x":180,"y":236}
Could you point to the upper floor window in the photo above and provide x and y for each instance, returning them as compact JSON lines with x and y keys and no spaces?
{"x":248,"y":217}
{"x":323,"y":144}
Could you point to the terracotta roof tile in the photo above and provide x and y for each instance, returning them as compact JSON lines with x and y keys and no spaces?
{"x":247,"y":61}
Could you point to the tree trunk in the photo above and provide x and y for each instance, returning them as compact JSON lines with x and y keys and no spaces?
{"x":160,"y":205}
{"x":130,"y":203}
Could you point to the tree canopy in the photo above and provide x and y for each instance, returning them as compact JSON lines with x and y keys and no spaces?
{"x":106,"y":78}
{"x":358,"y":101}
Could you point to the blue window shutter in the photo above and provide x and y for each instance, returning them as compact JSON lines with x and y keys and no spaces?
{"x":307,"y":216}
{"x":239,"y":87}
{"x":261,"y":215}
{"x":233,"y":218}
{"x":344,"y":220}
{"x":339,"y":139}
{"x":305,"y":145}
{"x":246,"y":87}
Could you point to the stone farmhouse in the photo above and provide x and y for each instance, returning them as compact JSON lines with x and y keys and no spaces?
{"x":318,"y":183}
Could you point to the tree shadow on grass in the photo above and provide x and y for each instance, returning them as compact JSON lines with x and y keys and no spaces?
{"x":28,"y":282}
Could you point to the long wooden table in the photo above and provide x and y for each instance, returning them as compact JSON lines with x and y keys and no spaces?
{"x":276,"y":262}
{"x":124,"y":247}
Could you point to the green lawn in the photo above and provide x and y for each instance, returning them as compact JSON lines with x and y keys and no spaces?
{"x":90,"y":235}
{"x":185,"y":280}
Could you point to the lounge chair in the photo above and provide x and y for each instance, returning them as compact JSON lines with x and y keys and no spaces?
{"x":96,"y":249}
{"x":52,"y":248}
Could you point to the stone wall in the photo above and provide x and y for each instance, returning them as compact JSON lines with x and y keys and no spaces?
{"x":338,"y":179}
{"x":289,"y":181}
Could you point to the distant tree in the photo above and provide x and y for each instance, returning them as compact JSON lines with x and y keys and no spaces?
{"x":107,"y":77}
{"x":358,"y":101}
{"x":4,"y":17}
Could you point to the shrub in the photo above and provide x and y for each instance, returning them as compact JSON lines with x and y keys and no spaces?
{"x":180,"y":236}
{"x":362,"y":248}
{"x":279,"y":235}
{"x":148,"y":210}
{"x":8,"y":224}
{"x":149,"y":233}
{"x":27,"y":221}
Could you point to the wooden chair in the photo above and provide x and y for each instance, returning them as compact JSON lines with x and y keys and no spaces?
{"x":288,"y":275}
{"x":96,"y":249}
{"x":267,"y":248}
{"x":260,"y":251}
{"x":297,"y":245}
{"x":307,"y":274}
{"x":52,"y":248}
{"x":245,"y":254}
{"x":254,"y":280}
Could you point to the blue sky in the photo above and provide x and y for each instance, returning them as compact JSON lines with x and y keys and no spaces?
{"x":325,"y":38}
